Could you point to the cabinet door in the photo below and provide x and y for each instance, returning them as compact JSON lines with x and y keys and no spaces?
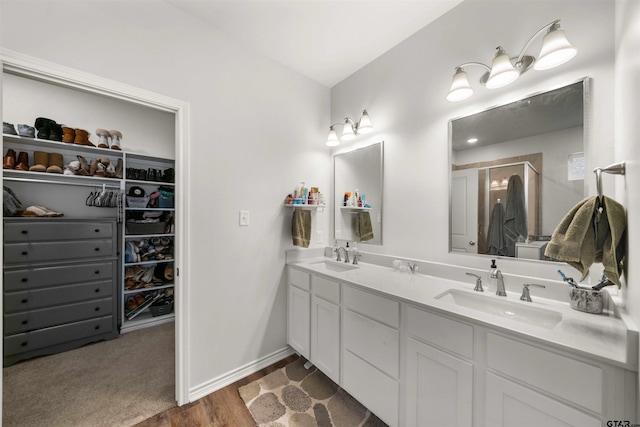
{"x":299,"y":317}
{"x":510,"y":404}
{"x":439,"y":387}
{"x":325,"y":337}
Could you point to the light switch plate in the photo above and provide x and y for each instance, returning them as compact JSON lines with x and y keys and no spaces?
{"x":319,"y":238}
{"x":244,"y":218}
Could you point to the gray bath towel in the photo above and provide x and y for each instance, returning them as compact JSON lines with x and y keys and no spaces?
{"x":301,"y":227}
{"x":496,"y":243}
{"x":364,"y":230}
{"x":587,"y":235}
{"x":515,"y":216}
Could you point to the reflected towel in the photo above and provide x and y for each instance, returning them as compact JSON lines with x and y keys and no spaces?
{"x":588,"y":234}
{"x":496,"y":243}
{"x":301,"y":227}
{"x":364,"y":230}
{"x":515,"y":216}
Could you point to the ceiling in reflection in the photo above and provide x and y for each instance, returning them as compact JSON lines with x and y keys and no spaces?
{"x":547,"y":112}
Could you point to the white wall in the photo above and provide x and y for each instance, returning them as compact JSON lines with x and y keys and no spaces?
{"x":627,"y":128}
{"x":257,"y":129}
{"x":404,"y":92}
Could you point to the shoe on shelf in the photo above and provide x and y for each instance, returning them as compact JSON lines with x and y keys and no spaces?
{"x":43,"y":125}
{"x":56,"y":163}
{"x":8,"y":129}
{"x":26,"y":131}
{"x":116,"y":136}
{"x":23,"y":161}
{"x":9,"y":160}
{"x":55,"y":131}
{"x":68,"y":135}
{"x":40,"y":161}
{"x":103,"y":138}
{"x":132,"y":304}
{"x":84,"y":166}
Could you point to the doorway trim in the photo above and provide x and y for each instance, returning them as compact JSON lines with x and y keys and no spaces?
{"x":26,"y":66}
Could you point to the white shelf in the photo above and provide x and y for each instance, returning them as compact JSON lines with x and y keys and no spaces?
{"x":146,"y":236}
{"x":307,"y":207}
{"x":155,"y":288}
{"x":151,"y":209}
{"x":354,"y":208}
{"x":146,"y":319}
{"x":145,"y":182}
{"x":48,"y":145}
{"x":148,"y":263}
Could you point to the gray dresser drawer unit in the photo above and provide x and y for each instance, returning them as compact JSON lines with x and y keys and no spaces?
{"x":38,"y":298}
{"x":53,"y":316}
{"x":59,"y":285}
{"x":48,"y":337}
{"x":41,"y":277}
{"x":41,"y":230}
{"x":23,"y":253}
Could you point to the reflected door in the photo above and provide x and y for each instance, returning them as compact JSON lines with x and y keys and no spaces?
{"x":464,"y":210}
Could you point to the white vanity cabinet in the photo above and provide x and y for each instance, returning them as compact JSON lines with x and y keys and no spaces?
{"x":371,"y":351}
{"x":438,"y":371}
{"x":325,"y":326}
{"x":299,"y":312}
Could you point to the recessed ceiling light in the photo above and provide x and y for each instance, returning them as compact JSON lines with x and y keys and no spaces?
{"x":472,"y":140}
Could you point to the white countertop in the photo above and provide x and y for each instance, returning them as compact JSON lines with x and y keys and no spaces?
{"x":611,"y":337}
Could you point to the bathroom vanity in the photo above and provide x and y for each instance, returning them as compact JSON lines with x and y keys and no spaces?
{"x":421,"y":350}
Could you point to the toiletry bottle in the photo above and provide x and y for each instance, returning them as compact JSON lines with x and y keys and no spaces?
{"x":492,"y":282}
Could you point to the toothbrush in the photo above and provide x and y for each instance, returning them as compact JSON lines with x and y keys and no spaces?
{"x":569,"y":280}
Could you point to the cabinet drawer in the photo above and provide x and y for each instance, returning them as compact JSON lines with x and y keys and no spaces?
{"x":54,"y":251}
{"x":41,"y":230}
{"x":374,"y":342}
{"x":372,"y":388}
{"x":46,"y":317}
{"x":566,"y":377}
{"x":446,"y":333}
{"x":47,"y":297}
{"x":382,"y":309}
{"x":300,"y":279}
{"x":326,"y":289}
{"x":40,"y":277}
{"x":29,"y":341}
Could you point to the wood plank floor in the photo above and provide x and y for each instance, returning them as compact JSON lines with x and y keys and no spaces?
{"x":223,"y":408}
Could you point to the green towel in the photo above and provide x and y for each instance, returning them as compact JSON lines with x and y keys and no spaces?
{"x":301,"y":227}
{"x":580,"y":240}
{"x":364,"y":230}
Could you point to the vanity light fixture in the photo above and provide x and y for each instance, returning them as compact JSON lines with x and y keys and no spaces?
{"x":350,"y":129}
{"x":472,"y":140}
{"x":556,"y":50}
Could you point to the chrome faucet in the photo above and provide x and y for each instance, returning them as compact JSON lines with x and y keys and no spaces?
{"x":497,"y":274}
{"x":478,"y":287}
{"x":525,"y":291}
{"x":346,"y":254}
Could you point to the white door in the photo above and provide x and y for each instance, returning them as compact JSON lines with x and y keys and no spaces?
{"x":510,"y":404}
{"x":439,"y":388}
{"x":325,"y":337}
{"x":298,"y":320}
{"x":464,"y":210}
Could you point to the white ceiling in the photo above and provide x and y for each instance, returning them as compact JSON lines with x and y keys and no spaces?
{"x":326,"y":40}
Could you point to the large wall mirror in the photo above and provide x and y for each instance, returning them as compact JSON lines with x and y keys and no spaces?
{"x":358,"y":194}
{"x":516,"y":170}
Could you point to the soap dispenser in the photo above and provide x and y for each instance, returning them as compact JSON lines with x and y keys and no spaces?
{"x":491,"y":280}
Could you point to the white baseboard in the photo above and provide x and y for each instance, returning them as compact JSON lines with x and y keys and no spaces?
{"x":224,"y":380}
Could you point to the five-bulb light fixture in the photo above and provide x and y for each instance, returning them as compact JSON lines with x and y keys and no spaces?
{"x":350,"y":129}
{"x":556,"y":50}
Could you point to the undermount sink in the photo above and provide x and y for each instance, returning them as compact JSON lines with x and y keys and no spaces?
{"x":531,"y":315}
{"x":334,"y":266}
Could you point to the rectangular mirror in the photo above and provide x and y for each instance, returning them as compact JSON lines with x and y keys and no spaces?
{"x":516,"y":170}
{"x":359,"y":171}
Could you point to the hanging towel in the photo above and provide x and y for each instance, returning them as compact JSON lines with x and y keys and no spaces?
{"x":588,"y":234}
{"x":301,"y":227}
{"x":496,"y":243}
{"x":515,"y":216}
{"x":364,"y":230}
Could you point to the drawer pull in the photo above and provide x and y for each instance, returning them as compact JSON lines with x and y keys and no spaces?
{"x":24,"y":279}
{"x":25,"y":343}
{"x":25,"y":253}
{"x":25,"y":300}
{"x":96,"y":272}
{"x":97,"y":308}
{"x":97,"y":230}
{"x":97,"y":327}
{"x":97,"y":249}
{"x":97,"y":290}
{"x":24,"y":322}
{"x":25,"y":232}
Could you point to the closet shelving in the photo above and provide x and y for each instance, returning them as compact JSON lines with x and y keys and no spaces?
{"x":145,"y":281}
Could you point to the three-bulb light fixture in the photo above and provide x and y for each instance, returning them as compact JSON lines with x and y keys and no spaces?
{"x":556,"y":50}
{"x":350,"y":129}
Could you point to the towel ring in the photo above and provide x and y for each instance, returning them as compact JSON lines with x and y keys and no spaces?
{"x":614,"y":169}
